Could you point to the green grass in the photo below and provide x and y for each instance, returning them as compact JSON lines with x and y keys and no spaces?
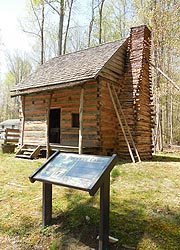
{"x":144,"y":210}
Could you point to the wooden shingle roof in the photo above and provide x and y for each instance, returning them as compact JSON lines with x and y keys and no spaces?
{"x":69,"y":69}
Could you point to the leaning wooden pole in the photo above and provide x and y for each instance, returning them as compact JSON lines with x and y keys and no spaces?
{"x":126,"y":124}
{"x":81,"y":121}
{"x":120,"y":123}
{"x":167,"y":77}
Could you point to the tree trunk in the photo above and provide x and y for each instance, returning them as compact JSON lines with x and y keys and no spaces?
{"x":171,"y":118}
{"x":67,"y":28}
{"x":100,"y":20}
{"x":42,"y":34}
{"x":61,"y":22}
{"x":91,"y":23}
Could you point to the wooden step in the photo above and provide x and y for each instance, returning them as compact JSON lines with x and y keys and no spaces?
{"x":28,"y":151}
{"x":23,"y":156}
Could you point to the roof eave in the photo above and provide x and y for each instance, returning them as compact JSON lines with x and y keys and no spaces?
{"x":20,"y":92}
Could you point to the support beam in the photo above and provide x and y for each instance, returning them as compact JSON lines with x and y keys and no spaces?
{"x":81,"y":120}
{"x":47,"y":127}
{"x":23,"y":119}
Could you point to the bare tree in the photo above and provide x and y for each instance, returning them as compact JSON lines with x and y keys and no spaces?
{"x":162,"y":17}
{"x":100,"y":20}
{"x":61,"y":12}
{"x":70,"y":5}
{"x":61,"y":24}
{"x":38,"y":10}
{"x":91,"y":22}
{"x":19,"y":67}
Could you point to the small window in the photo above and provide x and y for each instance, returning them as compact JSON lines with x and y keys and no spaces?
{"x":75,"y":120}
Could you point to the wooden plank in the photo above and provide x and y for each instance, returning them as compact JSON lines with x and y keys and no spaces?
{"x":12,"y":130}
{"x":22,"y":119}
{"x":109,"y":76}
{"x":47,"y":127}
{"x":81,"y":121}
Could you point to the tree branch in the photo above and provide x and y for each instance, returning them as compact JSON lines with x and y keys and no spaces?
{"x":37,"y":18}
{"x":52,"y":7}
{"x":167,"y":77}
{"x":30,"y":32}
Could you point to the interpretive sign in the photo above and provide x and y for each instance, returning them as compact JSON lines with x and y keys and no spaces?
{"x":73,"y":170}
{"x":84,"y":172}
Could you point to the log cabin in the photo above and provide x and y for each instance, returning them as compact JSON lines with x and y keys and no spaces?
{"x":88,"y":101}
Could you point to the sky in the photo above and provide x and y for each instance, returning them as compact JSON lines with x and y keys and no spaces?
{"x":12,"y":37}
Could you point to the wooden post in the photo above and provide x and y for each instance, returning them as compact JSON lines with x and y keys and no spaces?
{"x":23,"y":118}
{"x":81,"y":120}
{"x":120,"y":122}
{"x":104,"y":214}
{"x":47,"y":204}
{"x":5,"y":136}
{"x":47,"y":127}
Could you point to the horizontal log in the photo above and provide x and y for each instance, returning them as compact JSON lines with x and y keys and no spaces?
{"x":37,"y":141}
{"x":35,"y":134}
{"x":117,"y":62}
{"x":108,"y":143}
{"x":36,"y":97}
{"x":113,"y":70}
{"x":11,"y":140}
{"x":105,"y":130}
{"x":116,"y":67}
{"x":111,"y":77}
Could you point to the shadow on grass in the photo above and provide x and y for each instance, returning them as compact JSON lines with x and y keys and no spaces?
{"x":166,"y":158}
{"x":128,"y":222}
{"x":80,"y":222}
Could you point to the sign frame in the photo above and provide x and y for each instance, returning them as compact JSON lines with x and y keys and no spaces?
{"x":93,"y":187}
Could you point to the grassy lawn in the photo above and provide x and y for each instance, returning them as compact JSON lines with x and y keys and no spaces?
{"x":145,"y":208}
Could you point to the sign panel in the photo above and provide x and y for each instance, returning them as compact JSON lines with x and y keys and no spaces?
{"x":73,"y":170}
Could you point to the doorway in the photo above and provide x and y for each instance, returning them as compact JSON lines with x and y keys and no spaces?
{"x":54,"y":125}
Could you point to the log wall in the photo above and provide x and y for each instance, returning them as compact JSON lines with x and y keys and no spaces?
{"x":68,"y":100}
{"x":108,"y":121}
{"x":112,"y":72}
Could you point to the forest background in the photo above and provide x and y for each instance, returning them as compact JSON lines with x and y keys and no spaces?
{"x":56,"y":27}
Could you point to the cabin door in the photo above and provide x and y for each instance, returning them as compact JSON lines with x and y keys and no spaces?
{"x":54,"y":125}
